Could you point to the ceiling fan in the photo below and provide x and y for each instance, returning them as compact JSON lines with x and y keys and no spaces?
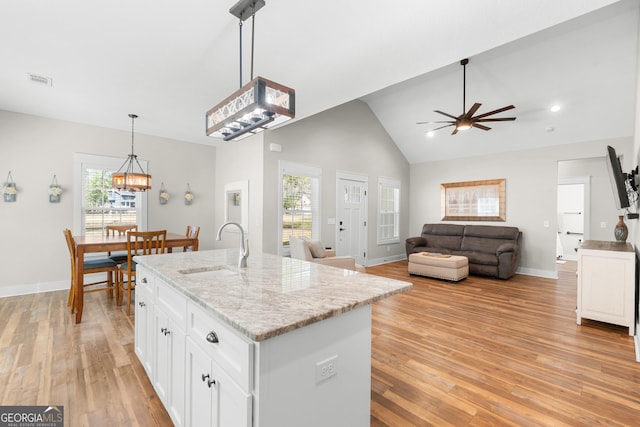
{"x":468,"y":120}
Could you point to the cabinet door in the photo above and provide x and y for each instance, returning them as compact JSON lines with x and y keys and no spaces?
{"x":201,"y":394}
{"x":604,"y":283}
{"x":169,"y":372}
{"x":144,"y":328}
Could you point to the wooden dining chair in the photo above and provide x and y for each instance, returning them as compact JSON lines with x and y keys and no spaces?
{"x":103,"y":265}
{"x":119,"y":230}
{"x":194,"y":232}
{"x":138,"y":243}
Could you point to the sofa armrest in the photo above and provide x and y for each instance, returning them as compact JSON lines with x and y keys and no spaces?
{"x":345,"y":262}
{"x":506,"y":247}
{"x":508,"y":259}
{"x":413,"y":242}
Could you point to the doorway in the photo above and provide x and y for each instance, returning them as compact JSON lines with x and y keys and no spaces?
{"x":351,"y":217}
{"x":573,"y":216}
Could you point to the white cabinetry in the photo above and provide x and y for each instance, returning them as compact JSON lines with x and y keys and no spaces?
{"x":606,"y":283}
{"x":170,"y":320}
{"x":219,"y":373}
{"x":144,"y":301}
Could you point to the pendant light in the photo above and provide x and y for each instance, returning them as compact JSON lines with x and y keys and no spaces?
{"x":126,"y":178}
{"x":256,"y":106}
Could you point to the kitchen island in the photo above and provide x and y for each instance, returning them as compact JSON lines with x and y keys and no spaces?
{"x":280,"y":343}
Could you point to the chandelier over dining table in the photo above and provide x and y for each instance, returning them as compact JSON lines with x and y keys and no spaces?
{"x":126,"y":178}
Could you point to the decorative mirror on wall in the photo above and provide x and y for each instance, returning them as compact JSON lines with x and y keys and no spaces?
{"x":236,"y":203}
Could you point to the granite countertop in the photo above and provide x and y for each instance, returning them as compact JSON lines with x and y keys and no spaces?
{"x":273,"y":295}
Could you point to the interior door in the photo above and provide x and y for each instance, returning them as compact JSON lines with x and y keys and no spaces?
{"x":572,"y":218}
{"x":351,"y":221}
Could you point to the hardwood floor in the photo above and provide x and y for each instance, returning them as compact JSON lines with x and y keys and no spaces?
{"x":493,"y":352}
{"x":480,"y":352}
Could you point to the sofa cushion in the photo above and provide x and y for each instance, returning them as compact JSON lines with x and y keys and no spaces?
{"x":316,"y":248}
{"x":483,"y":258}
{"x":487,"y":238}
{"x":443,"y":236}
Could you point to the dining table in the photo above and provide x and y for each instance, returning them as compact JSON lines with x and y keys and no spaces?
{"x":100,"y":243}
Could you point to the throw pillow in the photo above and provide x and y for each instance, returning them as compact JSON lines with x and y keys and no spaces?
{"x":317,"y":250}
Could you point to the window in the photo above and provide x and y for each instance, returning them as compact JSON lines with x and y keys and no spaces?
{"x":299,"y":203}
{"x":388,"y":211}
{"x":97,"y":204}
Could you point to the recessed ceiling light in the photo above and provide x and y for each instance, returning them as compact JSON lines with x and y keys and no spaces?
{"x":555,"y":108}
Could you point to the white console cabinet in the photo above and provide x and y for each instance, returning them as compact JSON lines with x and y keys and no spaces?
{"x":606,"y":283}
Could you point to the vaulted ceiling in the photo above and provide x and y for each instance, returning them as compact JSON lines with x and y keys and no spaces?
{"x":169,"y":62}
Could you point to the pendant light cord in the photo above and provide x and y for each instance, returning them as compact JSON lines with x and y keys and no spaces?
{"x":253,"y":26}
{"x":240,"y":26}
{"x":253,"y":31}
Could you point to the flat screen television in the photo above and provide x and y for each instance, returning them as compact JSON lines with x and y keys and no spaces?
{"x":617,"y":178}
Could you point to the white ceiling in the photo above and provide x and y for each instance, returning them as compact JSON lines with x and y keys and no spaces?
{"x":171,"y":61}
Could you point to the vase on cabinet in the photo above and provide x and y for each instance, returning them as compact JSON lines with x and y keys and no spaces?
{"x":621,"y":231}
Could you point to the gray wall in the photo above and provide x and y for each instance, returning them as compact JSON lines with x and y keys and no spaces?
{"x":33,"y":252}
{"x":602,"y":205}
{"x":347,"y":138}
{"x":531,"y":187}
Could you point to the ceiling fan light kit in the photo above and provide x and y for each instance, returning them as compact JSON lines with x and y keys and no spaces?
{"x":256,"y":106}
{"x":467,"y":120}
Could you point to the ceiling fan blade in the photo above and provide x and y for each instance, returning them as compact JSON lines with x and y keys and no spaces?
{"x":497,"y":119}
{"x":445,"y":126}
{"x":442,"y":121}
{"x":499,"y":110}
{"x":483,"y":127}
{"x":445,"y":114}
{"x":473,"y":109}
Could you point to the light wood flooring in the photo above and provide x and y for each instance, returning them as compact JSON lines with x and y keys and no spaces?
{"x":479,"y":352}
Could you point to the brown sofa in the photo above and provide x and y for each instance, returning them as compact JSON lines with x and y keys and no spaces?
{"x":492,"y":250}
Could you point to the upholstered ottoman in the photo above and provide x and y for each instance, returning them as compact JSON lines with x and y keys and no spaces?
{"x":439,"y":266}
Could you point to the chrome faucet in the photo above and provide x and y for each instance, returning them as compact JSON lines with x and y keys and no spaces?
{"x":244,"y":252}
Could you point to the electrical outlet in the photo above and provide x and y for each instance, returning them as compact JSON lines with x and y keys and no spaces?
{"x":326,"y":369}
{"x":603,"y":224}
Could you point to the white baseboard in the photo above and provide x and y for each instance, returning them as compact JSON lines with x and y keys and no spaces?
{"x":636,"y":340}
{"x":385,"y":260}
{"x":548,"y":274}
{"x":33,"y":288}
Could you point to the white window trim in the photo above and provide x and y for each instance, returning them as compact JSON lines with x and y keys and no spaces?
{"x":82,"y":161}
{"x":299,"y":169}
{"x":396,"y":185}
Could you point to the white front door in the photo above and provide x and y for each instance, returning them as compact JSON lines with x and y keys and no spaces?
{"x":351,"y":219}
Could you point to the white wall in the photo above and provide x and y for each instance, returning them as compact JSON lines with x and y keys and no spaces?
{"x":531,"y":187}
{"x":241,"y":161}
{"x":33,"y":252}
{"x":602,"y":206}
{"x":347,"y":138}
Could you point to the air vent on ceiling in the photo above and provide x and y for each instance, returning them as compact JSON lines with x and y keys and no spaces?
{"x":40,"y":80}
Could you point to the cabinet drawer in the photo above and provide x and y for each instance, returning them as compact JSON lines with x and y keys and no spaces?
{"x":228,"y":348}
{"x":173,"y":303}
{"x":144,"y":278}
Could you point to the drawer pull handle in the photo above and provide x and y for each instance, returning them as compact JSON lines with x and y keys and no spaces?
{"x":212,"y":337}
{"x":165,"y":331}
{"x":144,"y":280}
{"x":208,"y":379}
